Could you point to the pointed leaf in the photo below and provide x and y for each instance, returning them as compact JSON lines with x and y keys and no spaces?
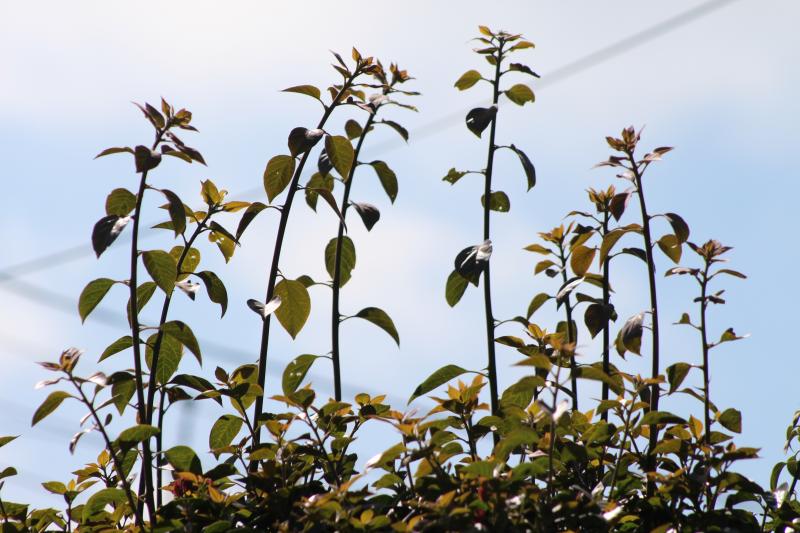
{"x":49,"y":405}
{"x":536,"y":303}
{"x":224,"y":431}
{"x":308,"y":90}
{"x":295,"y":305}
{"x":455,"y":287}
{"x":106,"y":231}
{"x":478,"y":119}
{"x":381,"y":319}
{"x":92,"y":295}
{"x":295,"y":372}
{"x":278,"y":175}
{"x":498,"y":201}
{"x":369,"y":213}
{"x":679,"y":226}
{"x":184,"y":459}
{"x":348,"y":262}
{"x":440,"y":377}
{"x":387,"y":178}
{"x":215,"y":289}
{"x":120,"y":202}
{"x":162,"y":268}
{"x":183,"y":334}
{"x":177,"y":212}
{"x":581,"y":259}
{"x":527,"y":166}
{"x":247,"y":217}
{"x":341,"y":153}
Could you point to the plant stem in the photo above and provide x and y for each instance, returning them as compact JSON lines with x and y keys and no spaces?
{"x":619,"y":455}
{"x":703,"y":335}
{"x":568,"y":308}
{"x":276,"y":256}
{"x":607,"y":321}
{"x":651,"y":274}
{"x":487,"y":288}
{"x":337,"y":264}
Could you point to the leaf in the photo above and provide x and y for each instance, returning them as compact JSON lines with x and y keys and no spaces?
{"x":177,"y":212}
{"x":54,"y":487}
{"x":123,"y":343}
{"x":120,"y":202}
{"x":454,"y":175}
{"x":302,"y":140}
{"x":467,"y":80}
{"x":369,"y":213}
{"x":478,"y":119}
{"x":224,"y":431}
{"x":521,"y":393}
{"x":308,"y":90}
{"x":729,"y":335}
{"x":137,"y":433}
{"x":671,"y":247}
{"x":387,"y":178}
{"x":324,"y":164}
{"x":184,"y":459}
{"x":183,"y":334}
{"x":162,"y":268}
{"x":341,"y":153}
{"x":519,"y":67}
{"x":145,"y":159}
{"x":454,"y":288}
{"x":498,"y":201}
{"x":348,"y":259}
{"x":353,"y":129}
{"x":215,"y":289}
{"x":679,"y":226}
{"x":581,"y":259}
{"x":661,"y":417}
{"x":596,"y":317}
{"x":567,"y":288}
{"x":295,"y":372}
{"x":520,"y":94}
{"x":277,"y":175}
{"x":527,"y":166}
{"x":5,"y":440}
{"x":170,"y":353}
{"x":631,"y":333}
{"x":522,"y":45}
{"x":381,"y":319}
{"x":114,"y":150}
{"x":676,"y":374}
{"x":440,"y":377}
{"x":247,"y":217}
{"x":49,"y":405}
{"x":618,"y":204}
{"x":594,"y":373}
{"x":144,"y":293}
{"x":106,"y":231}
{"x":731,"y":419}
{"x":92,"y":295}
{"x":122,"y":390}
{"x":98,"y":501}
{"x":264,"y":310}
{"x":295,"y":305}
{"x":536,"y":303}
{"x":331,"y":201}
{"x":401,"y":131}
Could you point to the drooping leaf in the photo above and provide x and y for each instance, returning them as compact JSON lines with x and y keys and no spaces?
{"x":144,"y":293}
{"x":295,"y":305}
{"x":177,"y":212}
{"x":619,"y":202}
{"x":381,"y":319}
{"x":224,"y":431}
{"x":679,"y":226}
{"x":631,"y":333}
{"x":440,"y":377}
{"x":114,"y":150}
{"x":454,"y":288}
{"x":247,"y":217}
{"x":264,"y":310}
{"x":467,"y":80}
{"x":581,"y":259}
{"x":49,"y":405}
{"x":122,"y":389}
{"x":520,"y":94}
{"x":169,"y":357}
{"x":324,"y":164}
{"x":162,"y":268}
{"x":498,"y":201}
{"x":471,"y":261}
{"x":278,"y":175}
{"x":519,"y":67}
{"x":596,"y":317}
{"x":120,"y":202}
{"x":527,"y":166}
{"x":183,"y":334}
{"x":478,"y":119}
{"x":215,"y":289}
{"x":106,"y":231}
{"x":348,"y":261}
{"x":676,"y":374}
{"x":295,"y":372}
{"x":92,"y":295}
{"x":387,"y":178}
{"x":369,"y":213}
{"x":401,"y":131}
{"x":137,"y":433}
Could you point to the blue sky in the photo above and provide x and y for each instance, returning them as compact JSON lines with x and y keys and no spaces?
{"x":721,"y":89}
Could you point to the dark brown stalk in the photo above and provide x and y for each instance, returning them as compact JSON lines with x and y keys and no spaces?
{"x":607,"y":321}
{"x":337,"y":266}
{"x":568,"y":308}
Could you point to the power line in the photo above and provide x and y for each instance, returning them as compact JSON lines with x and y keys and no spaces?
{"x":560,"y":74}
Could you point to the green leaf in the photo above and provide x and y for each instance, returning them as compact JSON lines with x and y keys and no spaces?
{"x":177,"y":211}
{"x":295,"y":372}
{"x":455,"y":287}
{"x":162,"y":268}
{"x":676,"y":374}
{"x":123,"y":343}
{"x":581,"y":259}
{"x":247,"y":217}
{"x":381,"y":319}
{"x":183,"y":334}
{"x":122,"y":390}
{"x":514,"y":439}
{"x":92,"y":295}
{"x":49,"y":405}
{"x":277,"y":175}
{"x":467,"y":80}
{"x":224,"y":431}
{"x":341,"y":153}
{"x":661,"y":417}
{"x":527,"y":166}
{"x":401,"y":131}
{"x":594,"y":373}
{"x":498,"y":201}
{"x":671,"y":247}
{"x":522,"y":45}
{"x":731,"y":419}
{"x":114,"y":150}
{"x":189,"y":263}
{"x":54,"y":487}
{"x":536,"y":303}
{"x":440,"y":377}
{"x":98,"y":501}
{"x":144,"y":293}
{"x":120,"y":202}
{"x":454,"y":175}
{"x":348,"y":262}
{"x":521,"y":393}
{"x":7,"y":439}
{"x":353,"y":129}
{"x":215,"y":289}
{"x":169,"y":357}
{"x":317,"y":181}
{"x":308,"y":90}
{"x":387,"y":178}
{"x":184,"y":459}
{"x":520,"y":94}
{"x":137,"y":433}
{"x":679,"y":226}
{"x":295,"y":305}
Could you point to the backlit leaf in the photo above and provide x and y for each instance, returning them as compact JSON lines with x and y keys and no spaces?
{"x":92,"y":295}
{"x":381,"y":319}
{"x":440,"y":377}
{"x":278,"y":175}
{"x":295,"y":305}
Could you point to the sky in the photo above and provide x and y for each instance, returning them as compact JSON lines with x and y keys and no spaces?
{"x":720,"y":88}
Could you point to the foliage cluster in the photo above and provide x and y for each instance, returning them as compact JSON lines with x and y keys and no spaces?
{"x":528,"y":459}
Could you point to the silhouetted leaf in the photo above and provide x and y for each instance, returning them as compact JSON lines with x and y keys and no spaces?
{"x":455,"y":287}
{"x":369,"y":213}
{"x":106,"y":231}
{"x":247,"y":217}
{"x":440,"y":377}
{"x":278,"y":175}
{"x":114,"y":150}
{"x":387,"y":177}
{"x":618,"y":204}
{"x":396,"y":127}
{"x":471,"y":261}
{"x":527,"y":166}
{"x":145,"y":158}
{"x":631,"y":333}
{"x":324,"y":164}
{"x":93,"y":294}
{"x":348,"y":262}
{"x":264,"y":310}
{"x":295,"y":305}
{"x":478,"y":119}
{"x":381,"y":319}
{"x":679,"y":226}
{"x":177,"y":212}
{"x":215,"y":289}
{"x":676,"y":374}
{"x":302,"y":140}
{"x":595,"y":318}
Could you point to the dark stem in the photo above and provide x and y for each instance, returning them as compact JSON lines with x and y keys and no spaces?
{"x":607,"y":321}
{"x":703,"y":333}
{"x":651,"y":274}
{"x":487,"y":288}
{"x":568,"y":307}
{"x":337,"y":265}
{"x":276,"y":256}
